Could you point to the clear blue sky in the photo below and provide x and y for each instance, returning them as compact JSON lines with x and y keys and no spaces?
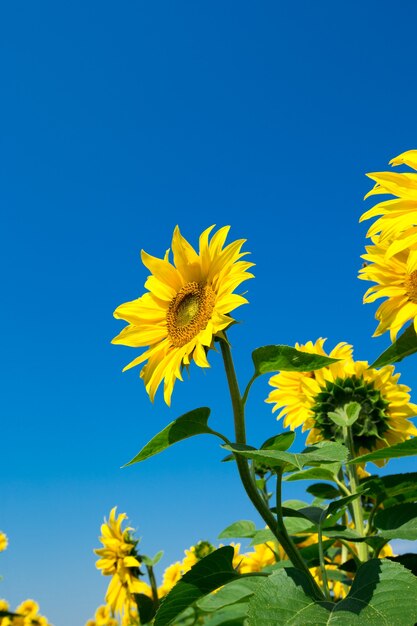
{"x":118,"y":121}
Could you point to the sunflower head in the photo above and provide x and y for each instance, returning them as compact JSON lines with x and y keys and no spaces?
{"x":187,"y":306}
{"x":308,"y":400}
{"x":391,"y":262}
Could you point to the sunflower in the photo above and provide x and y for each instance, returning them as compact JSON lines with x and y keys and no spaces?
{"x":119,"y":560}
{"x":397,"y":226}
{"x":186,"y":306}
{"x":306,"y":398}
{"x":3,"y":541}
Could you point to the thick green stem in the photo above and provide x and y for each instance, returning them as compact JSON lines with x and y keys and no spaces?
{"x":278,"y":529}
{"x":356,"y":504}
{"x":154,"y":587}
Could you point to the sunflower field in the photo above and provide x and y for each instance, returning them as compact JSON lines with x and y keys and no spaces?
{"x":323,"y":560}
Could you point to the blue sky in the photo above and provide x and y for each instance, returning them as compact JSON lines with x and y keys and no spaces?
{"x":120,"y":120}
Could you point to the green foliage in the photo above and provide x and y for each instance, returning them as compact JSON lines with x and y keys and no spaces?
{"x":392,"y":489}
{"x":146,"y":608}
{"x":190,"y":424}
{"x":379,"y":589}
{"x":328,"y":452}
{"x":238,"y":530}
{"x":269,"y":359}
{"x":323,"y":490}
{"x":405,"y":345}
{"x":231,"y":593}
{"x":283,"y":441}
{"x":405,"y":448}
{"x":398,"y":522}
{"x":212,"y":572}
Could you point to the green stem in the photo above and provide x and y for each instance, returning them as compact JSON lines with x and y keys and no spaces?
{"x":322,"y":565}
{"x":356,"y":504}
{"x":277,"y":528}
{"x":154,"y":587}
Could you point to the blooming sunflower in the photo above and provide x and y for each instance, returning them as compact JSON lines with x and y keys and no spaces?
{"x":187,"y":305}
{"x":396,"y":279}
{"x":306,"y":398}
{"x":397,"y":226}
{"x":119,"y":560}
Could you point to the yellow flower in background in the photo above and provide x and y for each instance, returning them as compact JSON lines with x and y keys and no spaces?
{"x":396,"y":279}
{"x":3,"y":541}
{"x":118,"y":559}
{"x":397,"y":226}
{"x":187,"y":305}
{"x":170,"y":578}
{"x":306,"y":398}
{"x":262,"y":555}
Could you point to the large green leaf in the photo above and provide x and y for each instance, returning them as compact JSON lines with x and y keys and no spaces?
{"x":392,"y":488}
{"x":231,"y":593}
{"x":234,"y":615}
{"x":329,"y":452}
{"x":398,"y":522}
{"x":242,"y":529}
{"x":405,"y":448}
{"x":209,"y":574}
{"x":405,"y":345}
{"x":269,"y":359}
{"x":190,"y":424}
{"x":382,"y":594}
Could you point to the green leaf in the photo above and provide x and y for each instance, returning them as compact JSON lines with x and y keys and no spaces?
{"x":329,"y":452}
{"x":323,"y":490}
{"x":392,"y":488}
{"x":405,"y":448}
{"x":238,"y":530}
{"x":151,"y":562}
{"x":146,"y":607}
{"x":262,"y":536}
{"x":353,"y":410}
{"x":229,"y":616}
{"x":409,"y":560}
{"x":282,"y":442}
{"x":231,"y":593}
{"x":405,"y":345}
{"x":321,"y":473}
{"x":209,"y":574}
{"x":383,"y":593}
{"x":269,"y":359}
{"x":192,"y":423}
{"x":398,"y":522}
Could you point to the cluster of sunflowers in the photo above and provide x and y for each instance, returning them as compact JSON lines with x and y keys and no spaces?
{"x":335,"y":399}
{"x":27,"y":613}
{"x":120,"y":559}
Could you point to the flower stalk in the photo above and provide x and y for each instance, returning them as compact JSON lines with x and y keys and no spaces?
{"x":276,"y":527}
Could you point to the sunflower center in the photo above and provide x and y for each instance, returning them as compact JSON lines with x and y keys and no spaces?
{"x":189,"y":312}
{"x":372,"y":422}
{"x":411,"y":286}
